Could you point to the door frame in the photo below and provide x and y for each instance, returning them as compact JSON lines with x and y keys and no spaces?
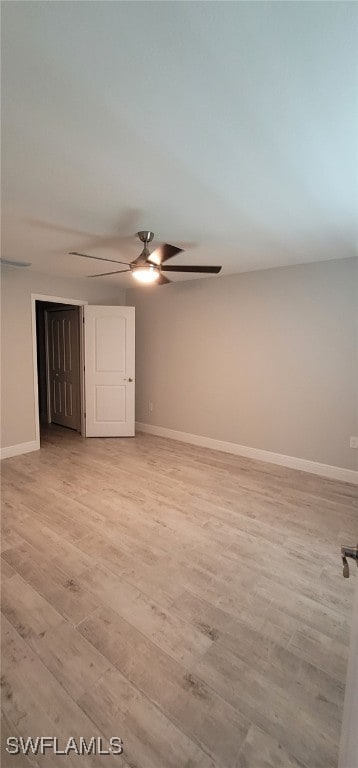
{"x":56,"y":300}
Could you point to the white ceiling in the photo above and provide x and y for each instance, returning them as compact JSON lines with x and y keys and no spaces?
{"x":228,"y":128}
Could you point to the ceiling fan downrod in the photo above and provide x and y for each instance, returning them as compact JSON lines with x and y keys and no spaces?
{"x":146,"y":236}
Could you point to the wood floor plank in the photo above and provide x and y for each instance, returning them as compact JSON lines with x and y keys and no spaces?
{"x":322,"y":651}
{"x":6,"y":570}
{"x":64,"y":554}
{"x":12,"y":760}
{"x":61,"y":648}
{"x":26,"y":609}
{"x":305,"y":609}
{"x":270,"y":707}
{"x":152,"y":739}
{"x":274,"y":651}
{"x":64,"y":593}
{"x":165,"y":628}
{"x":193,"y":707}
{"x":190,"y":601}
{"x":263,"y":751}
{"x":36,"y":703}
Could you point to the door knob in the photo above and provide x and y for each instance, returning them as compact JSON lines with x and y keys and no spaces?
{"x":130,"y":379}
{"x":348,"y":552}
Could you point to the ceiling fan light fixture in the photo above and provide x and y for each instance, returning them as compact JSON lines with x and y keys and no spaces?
{"x":146,"y":273}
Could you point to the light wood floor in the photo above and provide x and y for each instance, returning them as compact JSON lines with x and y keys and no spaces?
{"x":188,"y":601}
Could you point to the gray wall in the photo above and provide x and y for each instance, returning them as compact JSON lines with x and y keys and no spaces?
{"x":265,"y":359}
{"x":17,"y":392}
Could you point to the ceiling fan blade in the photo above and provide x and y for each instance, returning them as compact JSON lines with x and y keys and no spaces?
{"x":163,"y":253}
{"x":9,"y":263}
{"x":190,"y":268}
{"x":162,"y":280}
{"x":117,"y":272}
{"x":98,"y":258}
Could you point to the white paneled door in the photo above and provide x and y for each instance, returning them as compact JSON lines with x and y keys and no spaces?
{"x":109,"y":371}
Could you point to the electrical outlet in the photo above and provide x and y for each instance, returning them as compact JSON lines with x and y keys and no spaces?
{"x":150,"y":407}
{"x":353,"y":443}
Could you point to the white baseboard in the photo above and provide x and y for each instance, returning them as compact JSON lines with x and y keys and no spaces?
{"x":314,"y":467}
{"x":17,"y":450}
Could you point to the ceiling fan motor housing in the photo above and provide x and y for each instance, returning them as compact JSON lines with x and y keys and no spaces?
{"x":146,"y":236}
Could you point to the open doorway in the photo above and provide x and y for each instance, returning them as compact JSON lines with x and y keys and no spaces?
{"x":59,"y":365}
{"x":106,"y":338}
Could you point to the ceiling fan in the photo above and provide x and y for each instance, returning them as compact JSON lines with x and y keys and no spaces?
{"x":149,"y":267}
